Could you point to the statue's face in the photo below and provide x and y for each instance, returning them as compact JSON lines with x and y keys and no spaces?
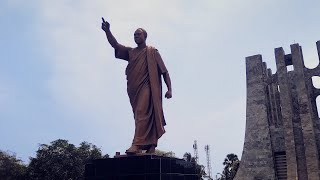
{"x":139,"y":36}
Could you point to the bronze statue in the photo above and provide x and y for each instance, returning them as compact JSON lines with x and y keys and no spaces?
{"x":144,"y":88}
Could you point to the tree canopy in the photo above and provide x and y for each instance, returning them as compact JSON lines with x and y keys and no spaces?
{"x":11,"y":168}
{"x":200,"y":168}
{"x":231,"y":164}
{"x":164,"y":153}
{"x":62,"y":160}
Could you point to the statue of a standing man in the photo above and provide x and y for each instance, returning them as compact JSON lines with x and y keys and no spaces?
{"x":144,"y":71}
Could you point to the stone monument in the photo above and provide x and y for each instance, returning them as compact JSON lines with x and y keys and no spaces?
{"x":282,"y":139}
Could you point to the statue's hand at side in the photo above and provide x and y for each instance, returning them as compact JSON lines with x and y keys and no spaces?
{"x":105,"y":25}
{"x":168,"y":94}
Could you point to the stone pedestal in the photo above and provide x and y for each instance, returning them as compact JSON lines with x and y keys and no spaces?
{"x":141,"y":167}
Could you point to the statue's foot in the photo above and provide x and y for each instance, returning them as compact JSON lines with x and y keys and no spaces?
{"x":152,"y":149}
{"x":134,"y":149}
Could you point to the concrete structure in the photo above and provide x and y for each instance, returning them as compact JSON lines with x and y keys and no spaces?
{"x":282,"y":139}
{"x":141,"y":167}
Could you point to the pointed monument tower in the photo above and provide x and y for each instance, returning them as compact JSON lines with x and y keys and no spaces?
{"x":282,"y":139}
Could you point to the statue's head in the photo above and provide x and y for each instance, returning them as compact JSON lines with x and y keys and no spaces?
{"x":140,"y":36}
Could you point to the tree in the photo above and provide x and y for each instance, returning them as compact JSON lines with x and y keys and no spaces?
{"x":11,"y":168}
{"x":231,"y":163}
{"x":164,"y":153}
{"x":200,"y":168}
{"x":187,"y":157}
{"x":62,"y":160}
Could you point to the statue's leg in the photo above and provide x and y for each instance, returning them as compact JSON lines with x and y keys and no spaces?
{"x":134,"y":149}
{"x":145,"y":132}
{"x":152,"y":149}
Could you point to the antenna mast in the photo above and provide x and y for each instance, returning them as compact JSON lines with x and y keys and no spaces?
{"x":195,"y":149}
{"x":207,"y":149}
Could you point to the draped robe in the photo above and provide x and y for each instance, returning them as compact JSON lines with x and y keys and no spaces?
{"x":144,"y":88}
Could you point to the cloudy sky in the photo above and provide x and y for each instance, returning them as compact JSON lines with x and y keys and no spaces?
{"x":59,"y":77}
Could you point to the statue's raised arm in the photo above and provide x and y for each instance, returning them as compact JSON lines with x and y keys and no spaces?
{"x":106,"y":28}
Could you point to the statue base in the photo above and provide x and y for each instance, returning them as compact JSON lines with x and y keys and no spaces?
{"x":141,"y":167}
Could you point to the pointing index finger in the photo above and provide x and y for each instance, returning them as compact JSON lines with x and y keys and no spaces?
{"x":103,"y":20}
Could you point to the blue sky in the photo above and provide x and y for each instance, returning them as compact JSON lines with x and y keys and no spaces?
{"x":59,"y":77}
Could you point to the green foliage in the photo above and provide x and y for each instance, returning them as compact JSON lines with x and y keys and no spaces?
{"x":231,"y":163}
{"x":187,"y":157}
{"x":200,"y":168}
{"x":62,"y":160}
{"x":11,"y":168}
{"x":164,"y":153}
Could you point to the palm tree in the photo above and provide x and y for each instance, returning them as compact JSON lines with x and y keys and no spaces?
{"x":231,"y":163}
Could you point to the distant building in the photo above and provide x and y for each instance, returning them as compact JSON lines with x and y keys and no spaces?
{"x":282,"y":139}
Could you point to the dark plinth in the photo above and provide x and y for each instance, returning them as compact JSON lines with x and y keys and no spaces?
{"x":141,"y":167}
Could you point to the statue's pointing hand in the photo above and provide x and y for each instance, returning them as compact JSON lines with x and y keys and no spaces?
{"x":105,"y":25}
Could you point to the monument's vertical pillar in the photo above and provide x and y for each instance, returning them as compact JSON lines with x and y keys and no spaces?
{"x":271,"y":100}
{"x":318,"y":48}
{"x":314,"y":98}
{"x":305,"y":112}
{"x":287,"y":114}
{"x":279,"y":121}
{"x":315,"y":93}
{"x":257,"y":157}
